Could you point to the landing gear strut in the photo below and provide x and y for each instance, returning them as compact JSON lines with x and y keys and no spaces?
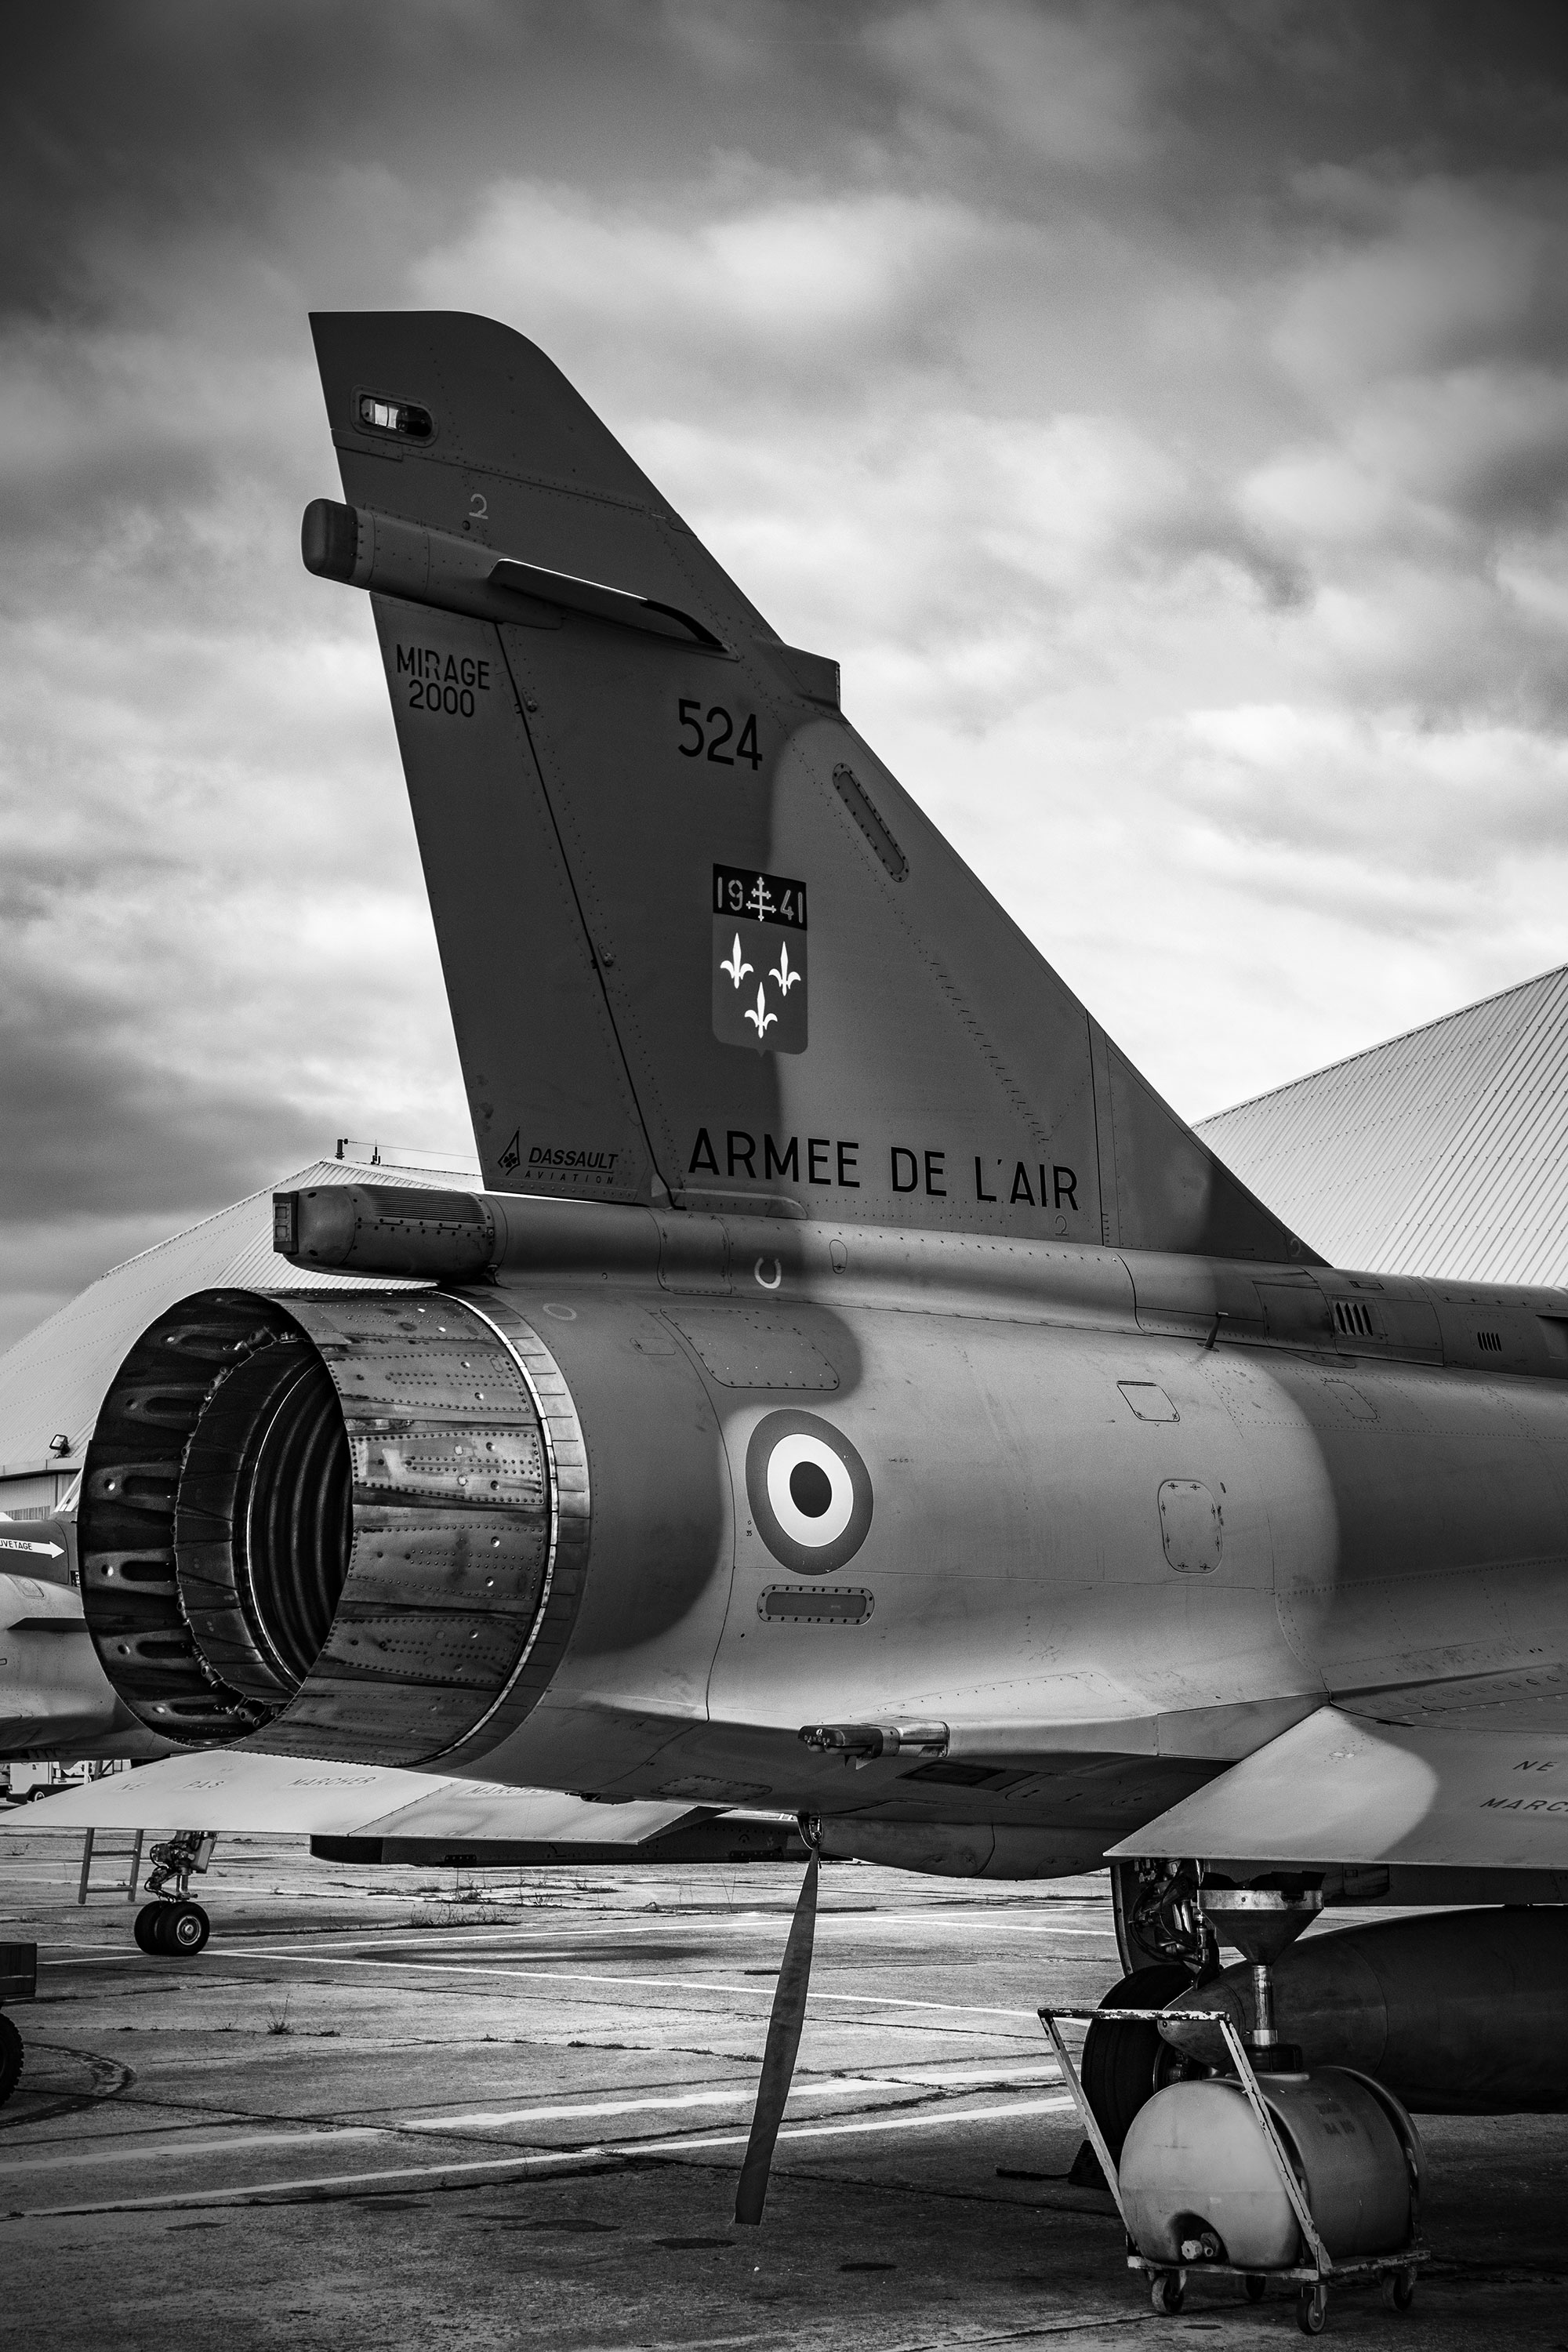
{"x":172,"y":1924}
{"x":1168,"y":1946}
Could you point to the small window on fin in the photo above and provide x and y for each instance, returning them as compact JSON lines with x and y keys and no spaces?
{"x":1149,"y":1401}
{"x":400,"y":418}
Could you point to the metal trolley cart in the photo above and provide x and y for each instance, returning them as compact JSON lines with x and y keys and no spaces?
{"x":1312,"y":2277}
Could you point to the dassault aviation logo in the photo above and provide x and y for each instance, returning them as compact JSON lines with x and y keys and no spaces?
{"x":759,"y":960}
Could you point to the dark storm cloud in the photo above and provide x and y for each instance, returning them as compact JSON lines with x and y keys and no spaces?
{"x":161,"y":1141}
{"x":1161,"y":408}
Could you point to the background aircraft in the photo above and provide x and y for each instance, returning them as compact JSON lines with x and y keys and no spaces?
{"x":853,"y":1391}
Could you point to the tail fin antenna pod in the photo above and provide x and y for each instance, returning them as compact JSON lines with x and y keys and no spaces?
{"x":700,"y":946}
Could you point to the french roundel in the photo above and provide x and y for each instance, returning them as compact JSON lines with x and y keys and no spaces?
{"x":810,"y":1492}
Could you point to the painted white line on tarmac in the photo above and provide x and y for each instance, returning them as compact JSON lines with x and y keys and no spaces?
{"x":968,"y":2078}
{"x":153,"y":2150}
{"x":258,"y":2190}
{"x":157,"y":2148}
{"x":901,"y":2000}
{"x":346,"y":2183}
{"x":757,"y":1923}
{"x":735,"y":2097}
{"x":583,"y":1976}
{"x":927,"y":2120}
{"x":754,"y":1924}
{"x":727,"y":2094}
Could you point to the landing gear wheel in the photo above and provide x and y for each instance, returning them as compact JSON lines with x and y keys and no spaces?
{"x":1169,"y":2291}
{"x":1256,"y":2288}
{"x":1313,"y":2310}
{"x":183,"y":1929}
{"x":147,"y":1928}
{"x":1399,"y":2288}
{"x":11,"y":2054}
{"x":1119,"y":2057}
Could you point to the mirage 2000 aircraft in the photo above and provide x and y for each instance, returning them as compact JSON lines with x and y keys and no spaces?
{"x":853,"y":1391}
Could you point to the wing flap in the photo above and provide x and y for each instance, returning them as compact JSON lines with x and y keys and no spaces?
{"x":1340,"y":1788}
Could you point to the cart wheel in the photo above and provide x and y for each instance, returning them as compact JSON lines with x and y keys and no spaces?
{"x":1169,"y":2291}
{"x":1399,"y":2289}
{"x":1256,"y":2288}
{"x":1313,"y":2310}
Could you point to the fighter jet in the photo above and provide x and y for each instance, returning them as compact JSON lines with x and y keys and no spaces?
{"x":851,"y":1391}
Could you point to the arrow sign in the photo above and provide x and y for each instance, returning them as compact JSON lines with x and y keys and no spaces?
{"x":16,"y":1543}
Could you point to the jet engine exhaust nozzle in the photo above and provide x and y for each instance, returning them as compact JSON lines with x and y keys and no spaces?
{"x":340,"y":1523}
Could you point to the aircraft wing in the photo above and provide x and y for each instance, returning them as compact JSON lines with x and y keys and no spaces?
{"x":1344,"y":1788}
{"x":229,"y":1793}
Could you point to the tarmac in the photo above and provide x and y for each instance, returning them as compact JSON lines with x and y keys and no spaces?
{"x":417,"y":2107}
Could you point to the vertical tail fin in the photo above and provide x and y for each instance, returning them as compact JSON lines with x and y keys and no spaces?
{"x":699,"y":943}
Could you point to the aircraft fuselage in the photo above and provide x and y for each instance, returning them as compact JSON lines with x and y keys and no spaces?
{"x":1022,"y":1535}
{"x":1120,"y":1532}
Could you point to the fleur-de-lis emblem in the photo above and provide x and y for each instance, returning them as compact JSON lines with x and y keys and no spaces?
{"x":732,"y":964}
{"x":783,"y":971}
{"x":761,"y":1016}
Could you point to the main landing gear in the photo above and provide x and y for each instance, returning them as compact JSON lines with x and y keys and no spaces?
{"x":172,"y":1925}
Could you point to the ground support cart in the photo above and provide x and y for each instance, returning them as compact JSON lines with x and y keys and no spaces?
{"x":1311,"y":2278}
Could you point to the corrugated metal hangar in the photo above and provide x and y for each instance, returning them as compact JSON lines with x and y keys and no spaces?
{"x":52,"y":1381}
{"x":1444,"y":1151}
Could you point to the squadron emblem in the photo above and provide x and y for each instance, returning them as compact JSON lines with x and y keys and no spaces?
{"x":759,"y":960}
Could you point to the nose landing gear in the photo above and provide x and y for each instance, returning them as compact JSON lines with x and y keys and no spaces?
{"x":172,"y":1925}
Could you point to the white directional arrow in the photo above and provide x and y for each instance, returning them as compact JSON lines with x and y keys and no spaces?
{"x":16,"y":1543}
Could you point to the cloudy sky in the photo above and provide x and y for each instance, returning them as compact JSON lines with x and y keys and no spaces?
{"x":1158,"y":408}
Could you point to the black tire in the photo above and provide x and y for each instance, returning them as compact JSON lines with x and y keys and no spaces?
{"x":1119,"y":2057}
{"x":11,"y":2056}
{"x":183,"y":1930}
{"x":1256,"y":2288}
{"x":147,"y":1928}
{"x":1168,"y":2291}
{"x":1401,"y":2290}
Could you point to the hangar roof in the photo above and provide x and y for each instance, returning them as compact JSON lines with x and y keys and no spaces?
{"x":55,"y":1378}
{"x":1444,"y":1151}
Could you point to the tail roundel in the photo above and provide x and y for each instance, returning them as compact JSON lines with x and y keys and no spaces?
{"x":701,"y":950}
